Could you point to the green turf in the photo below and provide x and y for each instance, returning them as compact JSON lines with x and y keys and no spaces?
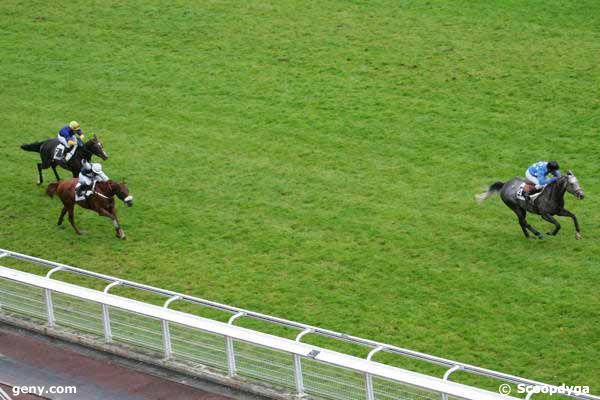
{"x":318,"y":161}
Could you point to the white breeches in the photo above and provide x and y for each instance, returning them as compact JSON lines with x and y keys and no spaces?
{"x":84,"y":180}
{"x":64,"y":142}
{"x":533,"y":179}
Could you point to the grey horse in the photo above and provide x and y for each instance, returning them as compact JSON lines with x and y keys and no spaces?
{"x":549,"y":203}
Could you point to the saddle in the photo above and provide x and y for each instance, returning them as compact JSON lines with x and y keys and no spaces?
{"x":527,"y":189}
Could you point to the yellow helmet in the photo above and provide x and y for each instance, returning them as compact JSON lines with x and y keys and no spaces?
{"x":74,"y":125}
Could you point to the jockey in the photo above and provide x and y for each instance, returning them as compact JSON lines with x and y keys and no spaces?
{"x":69,"y":137}
{"x":88,"y":176}
{"x":537,"y":173}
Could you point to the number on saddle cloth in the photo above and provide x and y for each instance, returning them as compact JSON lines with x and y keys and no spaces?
{"x":59,"y":152}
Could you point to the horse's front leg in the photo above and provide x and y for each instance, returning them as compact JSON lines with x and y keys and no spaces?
{"x":118,"y":230}
{"x":567,"y":213}
{"x":554,"y":222}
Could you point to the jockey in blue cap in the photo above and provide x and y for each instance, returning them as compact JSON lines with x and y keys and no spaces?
{"x":69,"y":137}
{"x":537,"y":174}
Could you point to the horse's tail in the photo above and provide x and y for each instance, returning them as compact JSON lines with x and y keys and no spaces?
{"x":494,"y":187}
{"x":32,"y":146}
{"x":51,"y":189}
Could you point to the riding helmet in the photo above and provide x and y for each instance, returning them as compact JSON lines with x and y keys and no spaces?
{"x":74,"y":125}
{"x":553,"y":166}
{"x":97,"y":168}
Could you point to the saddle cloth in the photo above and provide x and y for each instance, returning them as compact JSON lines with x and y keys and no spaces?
{"x":527,"y":187}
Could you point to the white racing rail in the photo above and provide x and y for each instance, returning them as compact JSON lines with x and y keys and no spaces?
{"x":257,"y":357}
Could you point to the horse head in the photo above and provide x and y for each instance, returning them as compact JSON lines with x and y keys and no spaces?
{"x":95,"y":146}
{"x":573,"y":186}
{"x":121,"y":190}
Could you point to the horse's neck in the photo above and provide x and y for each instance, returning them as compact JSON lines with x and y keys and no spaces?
{"x":84,"y":152}
{"x":557,"y":190}
{"x":107,"y":187}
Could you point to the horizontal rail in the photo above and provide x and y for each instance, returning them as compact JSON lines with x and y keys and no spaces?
{"x":254,"y":337}
{"x":296,"y":325}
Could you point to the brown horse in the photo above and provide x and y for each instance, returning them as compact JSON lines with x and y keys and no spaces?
{"x":101,"y":200}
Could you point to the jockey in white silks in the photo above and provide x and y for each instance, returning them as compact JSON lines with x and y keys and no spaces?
{"x":88,"y":176}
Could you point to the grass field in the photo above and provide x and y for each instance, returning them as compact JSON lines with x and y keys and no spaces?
{"x":318,"y":162}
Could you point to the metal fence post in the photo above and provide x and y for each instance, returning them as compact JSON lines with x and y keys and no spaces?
{"x":106,"y":315}
{"x":166,"y":331}
{"x":49,"y":308}
{"x":2,"y":254}
{"x":49,"y":304}
{"x":229,"y":346}
{"x":368,"y":377}
{"x":447,"y":375}
{"x":299,"y":378}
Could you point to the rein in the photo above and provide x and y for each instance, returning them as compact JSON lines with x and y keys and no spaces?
{"x":101,"y":195}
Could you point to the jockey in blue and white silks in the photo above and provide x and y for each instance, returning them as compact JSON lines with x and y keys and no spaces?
{"x":69,"y":137}
{"x":538,"y":172}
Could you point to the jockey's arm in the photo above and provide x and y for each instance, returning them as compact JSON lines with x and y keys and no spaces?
{"x":545,"y":181}
{"x":102,"y":177}
{"x":556,"y":173}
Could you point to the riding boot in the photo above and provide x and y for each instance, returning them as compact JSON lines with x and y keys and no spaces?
{"x":82,"y":189}
{"x":70,"y":154}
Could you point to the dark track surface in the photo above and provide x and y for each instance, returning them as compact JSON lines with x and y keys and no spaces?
{"x":27,"y":360}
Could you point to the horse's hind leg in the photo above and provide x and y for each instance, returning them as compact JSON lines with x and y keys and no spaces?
{"x":533,"y":230}
{"x":62,"y":215}
{"x":41,"y":178}
{"x":521,"y":214}
{"x":523,"y":224}
{"x":55,"y":172}
{"x":72,"y":220}
{"x":554,"y":222}
{"x":567,"y":213}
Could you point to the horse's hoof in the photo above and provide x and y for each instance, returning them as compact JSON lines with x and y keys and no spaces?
{"x":578,"y":236}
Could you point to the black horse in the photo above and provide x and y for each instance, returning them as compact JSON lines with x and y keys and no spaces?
{"x":84,"y":152}
{"x":550,"y":202}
